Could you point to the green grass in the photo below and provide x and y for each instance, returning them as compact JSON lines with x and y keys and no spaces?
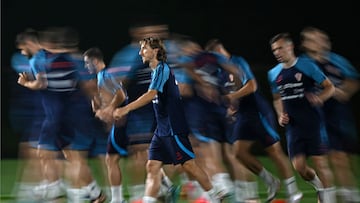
{"x":9,"y":169}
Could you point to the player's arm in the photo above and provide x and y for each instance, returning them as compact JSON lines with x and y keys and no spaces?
{"x":278,"y":106}
{"x":327,"y":92}
{"x":96,"y":103}
{"x":328,"y":88}
{"x":347,"y":89}
{"x":106,"y":114}
{"x":40,"y":81}
{"x":283,"y":117}
{"x":118,"y":99}
{"x":119,"y":94}
{"x":248,"y":88}
{"x":139,"y":102}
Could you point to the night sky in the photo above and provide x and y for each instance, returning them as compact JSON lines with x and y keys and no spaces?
{"x":245,"y":28}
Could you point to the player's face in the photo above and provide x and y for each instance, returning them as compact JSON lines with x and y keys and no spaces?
{"x":146,"y":52}
{"x":282,"y":50}
{"x":89,"y":64}
{"x":25,"y":49}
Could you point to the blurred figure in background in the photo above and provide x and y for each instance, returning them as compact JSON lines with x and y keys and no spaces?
{"x":298,"y":108}
{"x":244,"y":180}
{"x":256,"y":122}
{"x":67,"y":127}
{"x":190,"y":188}
{"x":110,"y":96}
{"x":339,"y":118}
{"x":28,"y":43}
{"x":200,"y":78}
{"x":27,"y":114}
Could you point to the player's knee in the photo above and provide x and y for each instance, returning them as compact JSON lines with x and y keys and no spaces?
{"x":153,"y":167}
{"x":300,"y":168}
{"x":112,"y":160}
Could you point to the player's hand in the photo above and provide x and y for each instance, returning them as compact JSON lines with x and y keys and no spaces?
{"x":23,"y":78}
{"x":283,"y":119}
{"x":119,"y":113}
{"x":341,"y":95}
{"x":105,"y":114}
{"x":231,"y":110}
{"x":314,"y":99}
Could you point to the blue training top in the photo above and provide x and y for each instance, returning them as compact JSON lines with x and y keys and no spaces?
{"x":167,"y":104}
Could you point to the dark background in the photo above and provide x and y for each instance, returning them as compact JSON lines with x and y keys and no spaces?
{"x":244,"y":26}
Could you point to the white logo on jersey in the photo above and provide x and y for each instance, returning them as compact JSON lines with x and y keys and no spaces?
{"x":298,"y":76}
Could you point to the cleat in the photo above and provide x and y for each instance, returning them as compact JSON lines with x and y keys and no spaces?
{"x":295,"y":198}
{"x":172,"y":194}
{"x":100,"y":199}
{"x":49,"y":191}
{"x":273,"y":188}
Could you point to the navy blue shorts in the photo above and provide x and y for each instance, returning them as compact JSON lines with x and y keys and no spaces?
{"x":255,"y":127}
{"x":117,"y":141}
{"x":175,"y":149}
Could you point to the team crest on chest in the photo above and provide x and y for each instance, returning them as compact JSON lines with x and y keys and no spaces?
{"x":298,"y":76}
